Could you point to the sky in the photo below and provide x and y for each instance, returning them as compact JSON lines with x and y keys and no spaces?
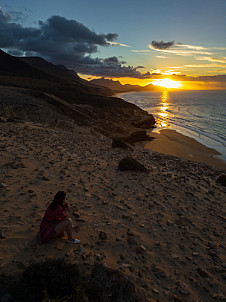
{"x":133,"y":41}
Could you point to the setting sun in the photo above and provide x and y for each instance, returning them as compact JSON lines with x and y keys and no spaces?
{"x":167,"y":83}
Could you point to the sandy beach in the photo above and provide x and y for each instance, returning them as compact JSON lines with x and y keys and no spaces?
{"x":171,"y":142}
{"x":163,"y":229}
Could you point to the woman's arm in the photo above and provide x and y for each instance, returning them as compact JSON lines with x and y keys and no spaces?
{"x":60,"y":214}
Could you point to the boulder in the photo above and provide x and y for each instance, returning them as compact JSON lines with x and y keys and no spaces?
{"x":145,"y":123}
{"x":130,"y":164}
{"x":119,"y":143}
{"x":222,"y":179}
{"x":137,"y":136}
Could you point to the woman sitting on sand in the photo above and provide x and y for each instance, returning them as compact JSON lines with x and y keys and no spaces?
{"x":55,"y":220}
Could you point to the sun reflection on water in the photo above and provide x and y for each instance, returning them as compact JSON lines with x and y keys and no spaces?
{"x":164,"y":106}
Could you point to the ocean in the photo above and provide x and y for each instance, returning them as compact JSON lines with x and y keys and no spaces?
{"x":197,"y":114}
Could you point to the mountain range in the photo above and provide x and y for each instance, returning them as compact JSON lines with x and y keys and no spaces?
{"x":117,"y":87}
{"x":85,"y":102}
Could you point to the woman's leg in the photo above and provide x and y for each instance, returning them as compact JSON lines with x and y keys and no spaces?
{"x":65,"y":225}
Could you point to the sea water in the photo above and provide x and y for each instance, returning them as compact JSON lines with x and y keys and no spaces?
{"x":197,"y":114}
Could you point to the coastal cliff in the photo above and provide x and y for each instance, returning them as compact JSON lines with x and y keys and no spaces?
{"x":149,"y":234}
{"x":62,"y":92}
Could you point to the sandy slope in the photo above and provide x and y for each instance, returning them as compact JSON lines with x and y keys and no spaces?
{"x":165,"y":229}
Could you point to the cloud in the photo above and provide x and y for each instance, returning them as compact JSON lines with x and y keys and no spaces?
{"x":117,"y":44}
{"x":63,"y":41}
{"x":210,"y":59}
{"x":191,"y":46}
{"x":146,"y":51}
{"x":109,"y":67}
{"x":178,"y":49}
{"x":161,"y":44}
{"x":204,"y":65}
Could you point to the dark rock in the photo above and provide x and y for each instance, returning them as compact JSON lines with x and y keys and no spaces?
{"x":158,"y":271}
{"x":130,"y":164}
{"x":177,"y":299}
{"x":137,"y":136}
{"x":141,"y":249}
{"x":145,"y":123}
{"x":102,"y":235}
{"x":130,"y":233}
{"x":76,"y":214}
{"x":203,"y":273}
{"x":222,"y":180}
{"x":131,"y":240}
{"x":119,"y":143}
{"x":2,"y":235}
{"x":155,"y":291}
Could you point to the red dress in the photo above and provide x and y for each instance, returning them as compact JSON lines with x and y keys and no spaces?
{"x":49,"y":222}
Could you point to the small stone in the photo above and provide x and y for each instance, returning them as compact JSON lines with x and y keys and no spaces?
{"x":141,"y":249}
{"x":2,"y":235}
{"x":203,"y":273}
{"x":82,"y":252}
{"x":155,"y":291}
{"x":184,"y":291}
{"x":129,"y":233}
{"x":131,"y":241}
{"x":2,"y":186}
{"x":21,"y":165}
{"x":76,"y":214}
{"x":195,"y":253}
{"x":45,"y":178}
{"x":98,"y":257}
{"x":102,"y":235}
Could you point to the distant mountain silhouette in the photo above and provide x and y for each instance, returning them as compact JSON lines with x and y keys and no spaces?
{"x":116,"y":86}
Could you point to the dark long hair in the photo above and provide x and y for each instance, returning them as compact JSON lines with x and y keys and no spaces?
{"x":58,"y":200}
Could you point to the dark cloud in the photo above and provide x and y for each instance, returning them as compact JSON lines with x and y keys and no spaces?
{"x":109,"y":67}
{"x":63,"y":41}
{"x":162,"y":45}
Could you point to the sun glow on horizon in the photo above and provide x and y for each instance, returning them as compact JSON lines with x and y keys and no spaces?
{"x":167,"y":83}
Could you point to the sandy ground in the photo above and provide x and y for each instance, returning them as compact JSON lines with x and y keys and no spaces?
{"x":173,"y":143}
{"x":165,"y":229}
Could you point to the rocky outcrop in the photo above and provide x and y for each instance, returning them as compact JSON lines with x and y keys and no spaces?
{"x":119,"y":143}
{"x":222,"y":180}
{"x":146,"y":123}
{"x":131,"y":164}
{"x":137,"y":136}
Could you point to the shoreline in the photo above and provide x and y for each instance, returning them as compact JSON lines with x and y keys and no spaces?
{"x":171,"y":142}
